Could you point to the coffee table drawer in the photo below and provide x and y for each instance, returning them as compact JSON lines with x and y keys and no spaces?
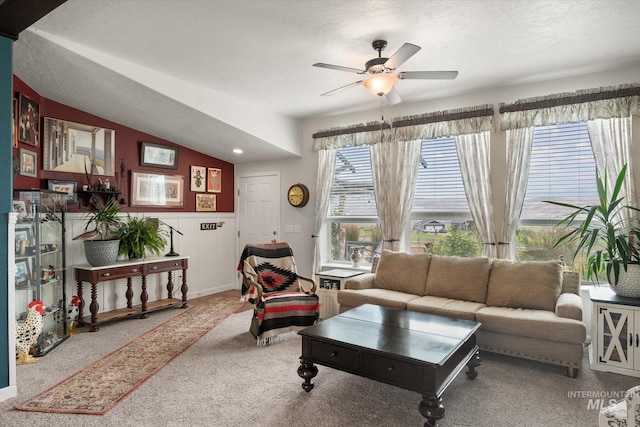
{"x":392,"y":370}
{"x":333,"y":354}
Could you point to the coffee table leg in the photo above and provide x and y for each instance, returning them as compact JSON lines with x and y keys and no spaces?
{"x":432,"y":408}
{"x":307,"y":370}
{"x":474,"y":362}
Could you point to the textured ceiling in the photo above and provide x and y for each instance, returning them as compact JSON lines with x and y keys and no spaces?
{"x":213,"y":75}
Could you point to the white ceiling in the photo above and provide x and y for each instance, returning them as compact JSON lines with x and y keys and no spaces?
{"x":219,"y":74}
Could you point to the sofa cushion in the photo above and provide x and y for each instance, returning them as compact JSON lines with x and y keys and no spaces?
{"x":460,"y":278}
{"x":383,"y":297}
{"x":402,"y":272}
{"x":531,"y":323}
{"x":445,"y":307}
{"x":532,"y":284}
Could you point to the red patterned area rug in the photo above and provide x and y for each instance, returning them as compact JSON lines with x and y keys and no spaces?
{"x":100,"y":386}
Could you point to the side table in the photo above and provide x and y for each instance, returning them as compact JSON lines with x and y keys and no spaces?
{"x":330,"y":282}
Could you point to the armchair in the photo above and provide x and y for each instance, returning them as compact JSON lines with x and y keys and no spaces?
{"x":282,"y":305}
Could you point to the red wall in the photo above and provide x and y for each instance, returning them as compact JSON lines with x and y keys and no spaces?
{"x":127,"y":148}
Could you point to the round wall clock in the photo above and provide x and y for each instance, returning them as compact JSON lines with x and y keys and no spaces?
{"x":298,"y":195}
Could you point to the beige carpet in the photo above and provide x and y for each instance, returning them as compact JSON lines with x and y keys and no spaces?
{"x":224,"y":379}
{"x":100,"y":386}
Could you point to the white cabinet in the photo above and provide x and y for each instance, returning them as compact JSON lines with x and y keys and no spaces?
{"x":331,"y":281}
{"x":615,"y":335}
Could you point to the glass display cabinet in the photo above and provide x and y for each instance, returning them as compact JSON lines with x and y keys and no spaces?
{"x":40,"y":262}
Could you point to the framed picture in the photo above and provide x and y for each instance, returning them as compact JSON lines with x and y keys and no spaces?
{"x":78,"y":148}
{"x":28,"y":163}
{"x":14,"y":124}
{"x":69,"y":187}
{"x":23,"y":271}
{"x":214,"y":180}
{"x":157,"y":190}
{"x":28,"y":121}
{"x":205,"y":202}
{"x":159,"y":156}
{"x":198,"y":178}
{"x":20,"y":208}
{"x":23,"y":232}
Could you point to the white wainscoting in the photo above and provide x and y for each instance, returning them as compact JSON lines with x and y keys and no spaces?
{"x":212,"y":262}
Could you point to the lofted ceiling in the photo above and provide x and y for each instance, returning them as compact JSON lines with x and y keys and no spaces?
{"x":214,"y":75}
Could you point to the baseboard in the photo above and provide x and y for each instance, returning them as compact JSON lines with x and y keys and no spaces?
{"x":8,"y":392}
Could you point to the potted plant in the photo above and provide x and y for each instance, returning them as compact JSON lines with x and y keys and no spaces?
{"x":610,"y":244}
{"x":139,"y":236}
{"x":101,"y":243}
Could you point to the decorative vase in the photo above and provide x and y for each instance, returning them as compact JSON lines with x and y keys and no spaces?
{"x":356,"y":256}
{"x":628,"y":282}
{"x":101,"y":252}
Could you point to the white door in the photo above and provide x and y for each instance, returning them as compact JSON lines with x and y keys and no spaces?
{"x":258,"y":209}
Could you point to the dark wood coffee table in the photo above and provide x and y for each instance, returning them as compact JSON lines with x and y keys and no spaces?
{"x":415,"y":351}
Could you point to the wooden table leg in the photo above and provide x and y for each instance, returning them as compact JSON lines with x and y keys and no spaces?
{"x":129,"y":293}
{"x":307,"y":370}
{"x":432,"y":408}
{"x":474,"y":362}
{"x":170,"y":285}
{"x":184,"y":288}
{"x":144,"y":297}
{"x":94,"y":307}
{"x":80,"y":304}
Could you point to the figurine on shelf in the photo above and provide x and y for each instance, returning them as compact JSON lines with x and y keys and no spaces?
{"x":28,"y":333}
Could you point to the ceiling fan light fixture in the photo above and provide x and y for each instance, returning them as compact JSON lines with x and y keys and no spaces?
{"x":380,"y":84}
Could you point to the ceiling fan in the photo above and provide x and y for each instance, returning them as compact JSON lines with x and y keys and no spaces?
{"x":379,"y":72}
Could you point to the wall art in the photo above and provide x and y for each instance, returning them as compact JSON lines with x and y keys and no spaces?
{"x":214,"y":180}
{"x":198,"y":178}
{"x":28,"y":163}
{"x":28,"y":121}
{"x":157,"y":190}
{"x":159,"y":156}
{"x":205,"y":202}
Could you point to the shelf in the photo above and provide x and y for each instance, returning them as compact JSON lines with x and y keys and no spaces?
{"x":86,"y":196}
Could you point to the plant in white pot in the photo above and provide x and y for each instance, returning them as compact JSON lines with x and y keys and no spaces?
{"x":610,"y":244}
{"x":101,"y":243}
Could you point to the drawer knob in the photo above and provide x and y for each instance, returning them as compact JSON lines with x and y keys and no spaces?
{"x":334,"y":354}
{"x":390,"y":368}
{"x":154,"y":268}
{"x":106,"y":274}
{"x":134,"y":270}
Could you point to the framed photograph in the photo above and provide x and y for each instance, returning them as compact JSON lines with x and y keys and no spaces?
{"x":23,"y":271}
{"x":20,"y":208}
{"x":214,"y":180}
{"x":198,"y":178}
{"x":157,"y":190}
{"x":28,"y":121}
{"x":78,"y":148}
{"x":14,"y":124}
{"x":23,"y":232}
{"x":28,"y":163}
{"x":205,"y":202}
{"x":158,"y":156}
{"x":69,"y":187}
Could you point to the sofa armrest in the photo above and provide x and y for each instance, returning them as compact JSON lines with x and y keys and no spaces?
{"x":362,"y":281}
{"x":569,"y":305}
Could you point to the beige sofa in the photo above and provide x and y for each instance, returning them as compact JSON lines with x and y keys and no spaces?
{"x":528,"y":309}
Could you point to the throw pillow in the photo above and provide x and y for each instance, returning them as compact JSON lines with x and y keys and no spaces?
{"x":532,"y":284}
{"x":462,"y":278}
{"x":402,"y":272}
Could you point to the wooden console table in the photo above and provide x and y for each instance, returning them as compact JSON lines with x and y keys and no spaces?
{"x":128,"y":270}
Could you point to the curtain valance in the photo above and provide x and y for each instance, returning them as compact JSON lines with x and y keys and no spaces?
{"x":425,"y":126}
{"x":583,"y":105}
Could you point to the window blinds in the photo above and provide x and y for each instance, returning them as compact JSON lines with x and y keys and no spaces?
{"x":562,"y":170}
{"x":352,"y":188}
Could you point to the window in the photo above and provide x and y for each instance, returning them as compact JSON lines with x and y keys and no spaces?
{"x":352,"y":218}
{"x":440,"y":219}
{"x":563,"y":170}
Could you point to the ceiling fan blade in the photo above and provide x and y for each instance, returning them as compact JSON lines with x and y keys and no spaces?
{"x":428,"y":75}
{"x":405,"y":52}
{"x":331,"y":92}
{"x":338,"y":67}
{"x":393,"y":97}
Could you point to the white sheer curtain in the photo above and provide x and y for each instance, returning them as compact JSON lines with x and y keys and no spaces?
{"x":474,"y":158}
{"x":610,"y":140}
{"x":394,"y":167}
{"x":519,"y":143}
{"x":326,"y":166}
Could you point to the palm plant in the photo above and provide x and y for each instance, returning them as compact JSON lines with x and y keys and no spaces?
{"x":608,"y":242}
{"x":104,"y":219}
